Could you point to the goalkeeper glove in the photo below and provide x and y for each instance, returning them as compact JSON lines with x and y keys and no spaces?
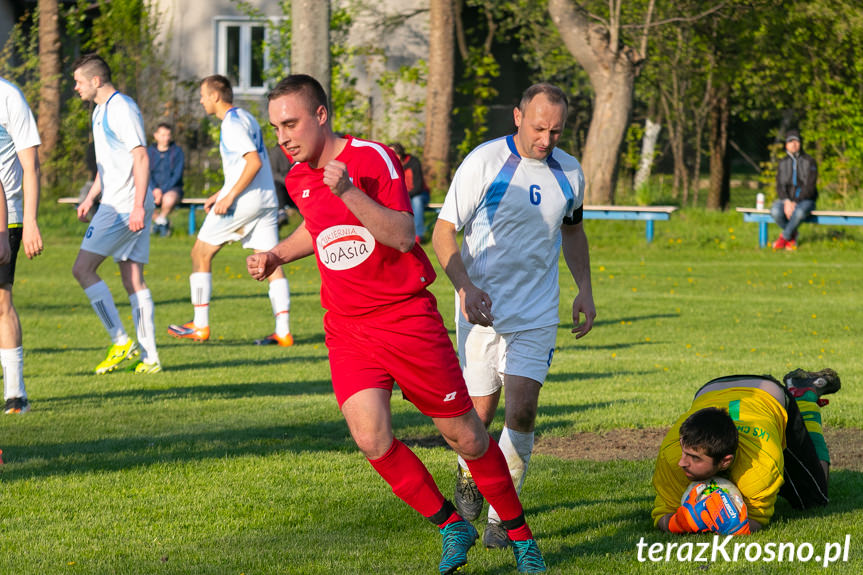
{"x":715,"y":513}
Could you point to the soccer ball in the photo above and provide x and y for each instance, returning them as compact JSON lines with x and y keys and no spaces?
{"x":716,"y":483}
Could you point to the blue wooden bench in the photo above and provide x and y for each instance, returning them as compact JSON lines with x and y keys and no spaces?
{"x":822,"y":217}
{"x":648,"y":214}
{"x":191,"y":203}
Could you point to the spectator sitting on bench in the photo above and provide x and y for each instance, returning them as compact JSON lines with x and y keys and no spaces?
{"x":166,"y":177}
{"x":795,"y":191}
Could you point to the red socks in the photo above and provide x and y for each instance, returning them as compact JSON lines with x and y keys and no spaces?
{"x":491,"y":474}
{"x":413,"y":484}
{"x":409,"y":479}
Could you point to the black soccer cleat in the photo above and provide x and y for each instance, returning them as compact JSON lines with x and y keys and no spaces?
{"x":468,"y":500}
{"x":824,"y":382}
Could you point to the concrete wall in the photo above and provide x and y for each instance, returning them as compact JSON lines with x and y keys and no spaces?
{"x":189,"y":31}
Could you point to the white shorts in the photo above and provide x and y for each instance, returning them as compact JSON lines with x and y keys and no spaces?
{"x":486,"y":355}
{"x":258,"y":229}
{"x":109,"y":235}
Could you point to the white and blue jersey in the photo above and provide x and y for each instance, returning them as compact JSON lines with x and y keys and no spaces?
{"x":117,"y":130}
{"x":17,"y":132}
{"x":241,"y":134}
{"x":511,"y":209}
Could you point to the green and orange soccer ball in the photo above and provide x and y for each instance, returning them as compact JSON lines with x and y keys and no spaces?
{"x":707,"y":486}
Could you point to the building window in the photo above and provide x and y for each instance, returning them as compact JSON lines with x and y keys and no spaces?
{"x":241,"y":54}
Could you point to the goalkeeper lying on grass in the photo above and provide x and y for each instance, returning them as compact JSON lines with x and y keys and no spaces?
{"x":763,"y":436}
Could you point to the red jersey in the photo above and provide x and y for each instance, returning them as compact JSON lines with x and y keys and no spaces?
{"x":358,"y":274}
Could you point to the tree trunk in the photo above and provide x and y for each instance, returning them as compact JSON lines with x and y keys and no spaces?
{"x":310,"y":40}
{"x":611,"y":67}
{"x":49,"y":73}
{"x":439,"y":94}
{"x":648,"y":150}
{"x":671,"y":106}
{"x":718,"y":196}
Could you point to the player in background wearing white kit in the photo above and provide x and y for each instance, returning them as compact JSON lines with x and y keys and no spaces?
{"x":19,"y":180}
{"x":245,"y":209}
{"x":121,"y":226}
{"x":518,"y":199}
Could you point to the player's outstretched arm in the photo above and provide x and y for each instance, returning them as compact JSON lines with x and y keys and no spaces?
{"x":31,"y":236}
{"x":296,"y":246}
{"x":475,"y":303}
{"x":577,"y":257}
{"x":390,"y":227}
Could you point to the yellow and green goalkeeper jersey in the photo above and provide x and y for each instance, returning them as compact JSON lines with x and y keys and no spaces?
{"x":757,"y":468}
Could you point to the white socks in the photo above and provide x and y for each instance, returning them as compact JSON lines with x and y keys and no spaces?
{"x":103,"y":304}
{"x":516,"y":447}
{"x":13,"y":372}
{"x":201,"y":284}
{"x":280,"y":300}
{"x":143,"y":312}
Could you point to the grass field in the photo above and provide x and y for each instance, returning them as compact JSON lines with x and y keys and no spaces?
{"x":235,"y":459}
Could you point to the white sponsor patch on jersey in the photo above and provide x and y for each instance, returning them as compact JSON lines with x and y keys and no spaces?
{"x":344,"y":247}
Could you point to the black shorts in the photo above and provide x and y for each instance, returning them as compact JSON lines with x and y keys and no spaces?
{"x":7,"y":271}
{"x":805,"y":484}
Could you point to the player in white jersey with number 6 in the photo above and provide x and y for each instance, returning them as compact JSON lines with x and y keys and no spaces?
{"x":121,"y":226}
{"x":518,"y":200}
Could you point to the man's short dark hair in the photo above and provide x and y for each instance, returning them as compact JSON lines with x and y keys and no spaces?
{"x":552,"y":92}
{"x":165,"y":125}
{"x":310,"y":88}
{"x":712,"y":430}
{"x":398,"y":149}
{"x":221,"y":85}
{"x":92,"y":65}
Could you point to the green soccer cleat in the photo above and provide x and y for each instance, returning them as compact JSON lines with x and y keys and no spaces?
{"x":141,"y":368}
{"x":116,"y":354}
{"x":528,"y":559}
{"x":458,"y":537}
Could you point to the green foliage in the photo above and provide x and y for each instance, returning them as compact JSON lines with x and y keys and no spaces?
{"x":352,"y":106}
{"x":807,"y":58}
{"x":527,"y":24}
{"x":19,"y":58}
{"x":403,"y":92}
{"x":124,"y":33}
{"x":480,"y":69}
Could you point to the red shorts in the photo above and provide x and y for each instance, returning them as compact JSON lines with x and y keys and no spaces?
{"x":405,"y":343}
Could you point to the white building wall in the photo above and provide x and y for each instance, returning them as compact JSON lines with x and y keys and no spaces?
{"x":189,"y":31}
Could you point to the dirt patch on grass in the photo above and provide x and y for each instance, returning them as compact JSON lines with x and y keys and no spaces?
{"x":846,"y":445}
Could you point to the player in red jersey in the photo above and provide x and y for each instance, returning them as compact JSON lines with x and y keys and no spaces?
{"x":382,"y":324}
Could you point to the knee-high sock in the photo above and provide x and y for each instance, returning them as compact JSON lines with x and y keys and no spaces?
{"x":280,"y":300}
{"x":103,"y":304}
{"x":492,"y":477}
{"x":12,"y":361}
{"x":516,"y":447}
{"x":811,"y":412}
{"x":409,"y":479}
{"x":201,"y":284}
{"x":143,"y":312}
